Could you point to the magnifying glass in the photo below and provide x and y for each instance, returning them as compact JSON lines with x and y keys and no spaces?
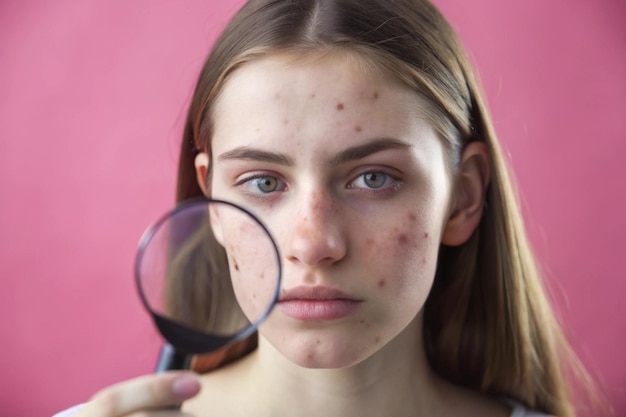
{"x":209,"y":273}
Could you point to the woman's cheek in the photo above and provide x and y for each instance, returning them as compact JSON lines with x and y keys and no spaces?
{"x":405,"y":248}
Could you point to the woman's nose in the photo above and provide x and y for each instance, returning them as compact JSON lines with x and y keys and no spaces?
{"x":316,"y":236}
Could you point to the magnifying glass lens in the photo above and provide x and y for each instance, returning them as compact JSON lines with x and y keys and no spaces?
{"x":208,"y":268}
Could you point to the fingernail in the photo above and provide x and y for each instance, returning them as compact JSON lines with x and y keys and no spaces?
{"x":185,"y":386}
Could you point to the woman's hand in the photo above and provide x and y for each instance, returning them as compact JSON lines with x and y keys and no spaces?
{"x":143,"y":394}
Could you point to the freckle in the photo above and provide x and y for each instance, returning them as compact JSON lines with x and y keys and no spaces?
{"x":317,"y":342}
{"x":412,"y":217}
{"x":402,"y":239}
{"x":257,"y":130}
{"x":262,"y":275}
{"x":381,"y":283}
{"x":375,"y":95}
{"x":362,"y":321}
{"x":313,"y":95}
{"x":236,"y":267}
{"x":377,"y":339}
{"x":425,"y":235}
{"x":340,"y":106}
{"x":277,"y":96}
{"x":285,"y":121}
{"x":357,"y":128}
{"x":423,"y":261}
{"x":254,"y":295}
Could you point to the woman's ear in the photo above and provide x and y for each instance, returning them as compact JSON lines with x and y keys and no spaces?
{"x":469,"y":195}
{"x":202,"y":168}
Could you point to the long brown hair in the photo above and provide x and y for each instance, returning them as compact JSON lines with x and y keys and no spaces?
{"x":488,"y":323}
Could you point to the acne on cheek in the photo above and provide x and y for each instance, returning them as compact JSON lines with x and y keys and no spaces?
{"x":231,"y":258}
{"x":402,"y":239}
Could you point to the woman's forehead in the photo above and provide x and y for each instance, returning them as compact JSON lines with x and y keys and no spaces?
{"x":337,"y":80}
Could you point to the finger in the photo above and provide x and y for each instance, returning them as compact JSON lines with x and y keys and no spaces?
{"x":143,"y":393}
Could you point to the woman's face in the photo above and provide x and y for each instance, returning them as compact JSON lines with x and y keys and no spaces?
{"x":351,"y":181}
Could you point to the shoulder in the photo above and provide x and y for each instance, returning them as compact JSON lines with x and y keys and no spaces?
{"x":69,"y":412}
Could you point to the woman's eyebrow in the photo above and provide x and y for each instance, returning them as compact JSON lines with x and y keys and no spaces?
{"x":350,"y":154}
{"x":361,"y":151}
{"x":251,"y":154}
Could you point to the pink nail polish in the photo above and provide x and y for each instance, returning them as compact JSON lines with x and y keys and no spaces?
{"x":185,"y":386}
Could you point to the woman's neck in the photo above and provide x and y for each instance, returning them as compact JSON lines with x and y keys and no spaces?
{"x":395,"y":381}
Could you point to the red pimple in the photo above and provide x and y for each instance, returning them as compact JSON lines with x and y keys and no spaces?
{"x":375,"y":95}
{"x":317,"y":342}
{"x":402,"y":239}
{"x":412,"y":217}
{"x":381,"y":283}
{"x":340,"y":106}
{"x":425,"y":235}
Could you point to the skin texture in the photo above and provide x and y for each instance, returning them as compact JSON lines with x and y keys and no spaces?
{"x":353,"y":184}
{"x":376,"y":245}
{"x":252,"y":259}
{"x":351,"y":179}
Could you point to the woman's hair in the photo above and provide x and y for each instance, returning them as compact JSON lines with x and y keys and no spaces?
{"x":488,"y":324}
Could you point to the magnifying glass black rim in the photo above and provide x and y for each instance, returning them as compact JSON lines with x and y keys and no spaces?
{"x":151,"y":231}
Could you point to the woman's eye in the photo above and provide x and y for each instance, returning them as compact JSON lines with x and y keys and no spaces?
{"x":263,"y":184}
{"x":373,"y":180}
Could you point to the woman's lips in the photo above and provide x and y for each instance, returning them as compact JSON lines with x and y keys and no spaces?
{"x":317,"y":303}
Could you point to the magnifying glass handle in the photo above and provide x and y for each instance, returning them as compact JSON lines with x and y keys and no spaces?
{"x":169,"y":360}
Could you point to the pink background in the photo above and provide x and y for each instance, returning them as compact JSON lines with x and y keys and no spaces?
{"x":92,"y":98}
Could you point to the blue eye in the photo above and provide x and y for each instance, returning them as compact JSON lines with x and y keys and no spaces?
{"x":262,"y":184}
{"x":373,"y":180}
{"x":266,"y":184}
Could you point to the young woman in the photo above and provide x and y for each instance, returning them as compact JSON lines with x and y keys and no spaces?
{"x":357,"y":132}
